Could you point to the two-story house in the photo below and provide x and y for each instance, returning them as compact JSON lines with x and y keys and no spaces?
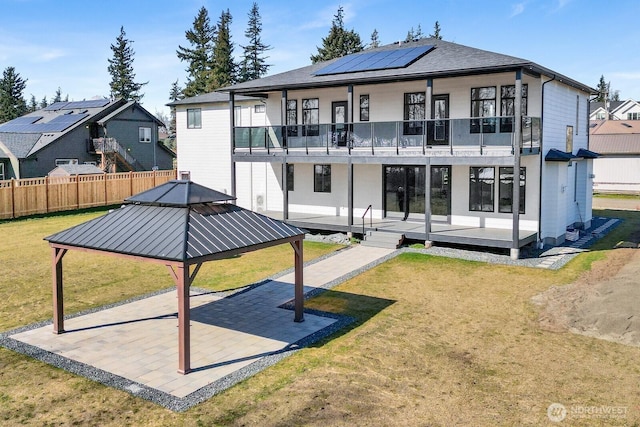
{"x":113,"y":135}
{"x":431,"y":139}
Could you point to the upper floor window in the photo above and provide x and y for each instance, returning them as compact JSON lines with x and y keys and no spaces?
{"x":194,"y":119}
{"x":508,"y":105}
{"x":364,"y":108}
{"x":144,"y":134}
{"x":259,"y":108}
{"x":569,"y":141}
{"x":290,"y":176}
{"x":414,"y":113}
{"x":633,"y":116}
{"x":600,"y":115}
{"x":292,"y":117}
{"x":311,"y":117}
{"x":483,"y":104}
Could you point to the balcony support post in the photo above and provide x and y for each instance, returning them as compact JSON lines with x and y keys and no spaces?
{"x":349,"y":116}
{"x":427,"y":202}
{"x":283,"y":117}
{"x":428,"y":113}
{"x":285,"y":190}
{"x":350,"y":194}
{"x":232,"y":125}
{"x":515,"y":198}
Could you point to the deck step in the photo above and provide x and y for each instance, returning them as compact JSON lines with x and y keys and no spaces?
{"x":382,"y":239}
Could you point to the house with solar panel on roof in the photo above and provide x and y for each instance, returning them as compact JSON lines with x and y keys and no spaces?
{"x":427,"y":140}
{"x":115,"y":136}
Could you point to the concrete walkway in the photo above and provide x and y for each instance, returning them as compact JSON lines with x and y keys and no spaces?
{"x":134,"y":346}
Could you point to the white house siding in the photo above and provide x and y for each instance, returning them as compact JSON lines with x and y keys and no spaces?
{"x":563,"y":106}
{"x":206,"y":152}
{"x":617,"y":174}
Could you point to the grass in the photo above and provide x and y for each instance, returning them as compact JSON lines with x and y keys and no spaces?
{"x":436,"y":341}
{"x":617,"y":196}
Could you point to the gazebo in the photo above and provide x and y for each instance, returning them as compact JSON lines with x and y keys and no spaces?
{"x":179,"y":224}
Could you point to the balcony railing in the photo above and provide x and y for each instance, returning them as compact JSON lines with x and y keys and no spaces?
{"x":453,"y":134}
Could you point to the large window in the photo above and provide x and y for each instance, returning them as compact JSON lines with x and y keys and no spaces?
{"x":505,"y":197}
{"x":292,"y":117}
{"x":290,"y":176}
{"x":144,"y":134}
{"x":364,"y":108}
{"x":483,"y":104}
{"x":322,"y":178}
{"x":632,"y":116}
{"x":508,"y":106}
{"x":194,"y":119}
{"x":481,"y":189}
{"x":414,"y":113}
{"x":2,"y":177}
{"x":311,"y":117}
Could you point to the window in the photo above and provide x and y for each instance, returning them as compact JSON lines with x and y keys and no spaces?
{"x":290,"y":185}
{"x":259,"y":108}
{"x":2,"y":172}
{"x":483,"y":104}
{"x":633,"y":116}
{"x":194,"y":120}
{"x":292,"y":117}
{"x":414,"y":109}
{"x":144,"y":134}
{"x":569,"y":143}
{"x":481,"y":189}
{"x":508,"y":106}
{"x":66,"y":162}
{"x":505,"y":190}
{"x":600,"y":115}
{"x":364,"y":108}
{"x":322,"y":178}
{"x":311,"y":117}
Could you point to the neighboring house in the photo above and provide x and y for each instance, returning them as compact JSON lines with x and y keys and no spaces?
{"x":75,"y":169}
{"x":615,"y":110}
{"x":114,"y":135}
{"x":418,"y":135}
{"x":617,"y":170}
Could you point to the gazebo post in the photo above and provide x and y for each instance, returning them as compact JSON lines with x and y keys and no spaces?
{"x":299,"y":282}
{"x":184,"y":319}
{"x":58,"y":300}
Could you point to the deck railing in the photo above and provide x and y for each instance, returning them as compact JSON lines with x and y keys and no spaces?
{"x":480,"y":133}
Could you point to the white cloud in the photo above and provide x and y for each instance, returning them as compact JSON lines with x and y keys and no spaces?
{"x":517,"y":9}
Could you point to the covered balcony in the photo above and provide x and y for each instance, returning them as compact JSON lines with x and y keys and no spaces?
{"x":490,"y":136}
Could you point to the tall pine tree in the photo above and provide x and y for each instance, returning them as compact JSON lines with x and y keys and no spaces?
{"x":375,"y":40}
{"x":339,"y":42}
{"x":603,"y":89}
{"x":175,"y":93}
{"x":254,"y":63}
{"x":120,"y":68}
{"x":436,"y":31}
{"x":12,"y":103}
{"x":224,"y":68}
{"x":33,"y":104}
{"x":199,"y":56}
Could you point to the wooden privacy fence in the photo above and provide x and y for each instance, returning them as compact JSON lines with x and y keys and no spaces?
{"x":22,"y":197}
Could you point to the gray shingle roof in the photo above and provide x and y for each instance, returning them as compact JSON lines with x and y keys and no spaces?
{"x":79,"y":169}
{"x":447,"y":59}
{"x":19,"y":144}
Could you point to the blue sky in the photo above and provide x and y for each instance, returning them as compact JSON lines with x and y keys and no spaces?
{"x":65,"y":43}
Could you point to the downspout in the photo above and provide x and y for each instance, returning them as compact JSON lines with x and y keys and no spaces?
{"x":540,"y":241}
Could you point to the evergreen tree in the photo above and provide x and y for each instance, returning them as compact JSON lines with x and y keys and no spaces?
{"x":199,"y":56}
{"x":418,"y":35}
{"x":254,"y":62}
{"x":120,"y":68}
{"x":44,"y":102}
{"x":33,"y":104}
{"x":12,"y":103}
{"x":436,"y":31}
{"x":411,"y":35}
{"x":224,"y":68}
{"x":375,"y":41}
{"x":58,"y":96}
{"x":175,"y":93}
{"x":603,"y":90}
{"x":339,"y":42}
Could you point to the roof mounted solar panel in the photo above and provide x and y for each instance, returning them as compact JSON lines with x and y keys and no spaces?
{"x":379,"y":60}
{"x":92,"y":103}
{"x":55,"y":106}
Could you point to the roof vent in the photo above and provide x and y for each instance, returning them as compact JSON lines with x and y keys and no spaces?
{"x":185,"y":175}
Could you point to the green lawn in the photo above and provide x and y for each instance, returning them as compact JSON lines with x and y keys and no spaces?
{"x":436,"y":341}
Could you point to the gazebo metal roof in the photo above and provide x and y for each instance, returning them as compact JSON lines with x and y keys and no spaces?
{"x":178,"y":224}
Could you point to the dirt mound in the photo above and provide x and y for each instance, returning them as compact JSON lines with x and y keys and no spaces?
{"x":602,"y":303}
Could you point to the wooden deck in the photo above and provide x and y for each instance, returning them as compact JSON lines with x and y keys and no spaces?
{"x":412,"y":229}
